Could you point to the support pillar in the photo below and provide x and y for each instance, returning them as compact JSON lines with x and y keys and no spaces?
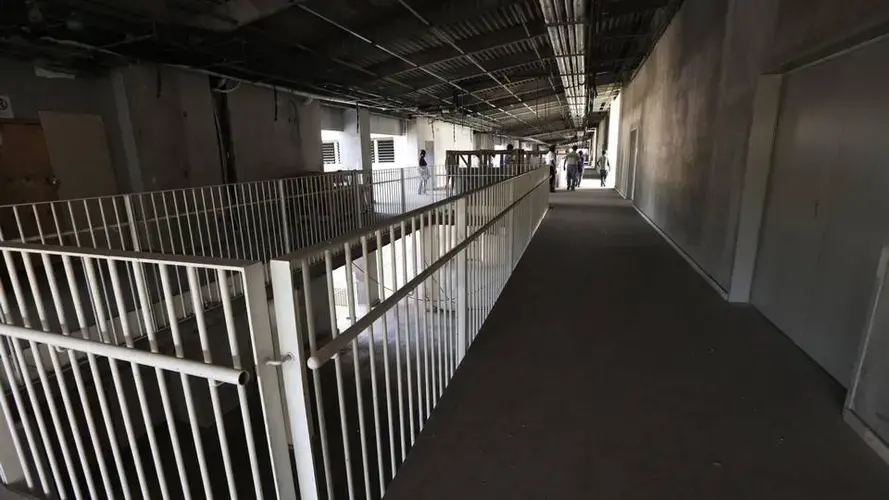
{"x":365,"y":268}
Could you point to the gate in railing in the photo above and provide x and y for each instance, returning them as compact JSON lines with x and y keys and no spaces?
{"x":136,"y":375}
{"x":128,"y":377}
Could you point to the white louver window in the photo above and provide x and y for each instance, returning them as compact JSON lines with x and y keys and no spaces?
{"x":383,"y":151}
{"x":330,"y":152}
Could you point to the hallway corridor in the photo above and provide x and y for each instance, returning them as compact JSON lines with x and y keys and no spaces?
{"x":610,"y":370}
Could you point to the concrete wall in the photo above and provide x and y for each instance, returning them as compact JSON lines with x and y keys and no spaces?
{"x":355,"y":148}
{"x":171,"y":113}
{"x":483,"y":140}
{"x":270,"y":145}
{"x":692,"y":102}
{"x":444,"y":136}
{"x":332,"y":118}
{"x":386,"y":125}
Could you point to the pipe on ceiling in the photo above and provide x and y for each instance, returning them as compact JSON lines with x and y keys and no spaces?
{"x":308,"y":95}
{"x":447,"y":40}
{"x":416,"y":66}
{"x":565,"y":20}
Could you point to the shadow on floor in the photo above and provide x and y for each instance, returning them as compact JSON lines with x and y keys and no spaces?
{"x":610,"y":370}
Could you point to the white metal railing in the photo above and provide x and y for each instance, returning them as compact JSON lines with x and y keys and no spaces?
{"x":84,"y":295}
{"x":184,"y":421}
{"x":358,"y":398}
{"x":254,"y":221}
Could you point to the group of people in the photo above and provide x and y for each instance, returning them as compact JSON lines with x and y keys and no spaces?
{"x":574,"y":164}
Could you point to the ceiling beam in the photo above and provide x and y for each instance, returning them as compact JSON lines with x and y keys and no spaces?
{"x":484,"y":86}
{"x":527,"y":97}
{"x":445,"y":53}
{"x":547,"y":105}
{"x":470,"y":71}
{"x":523,"y":88}
{"x":444,"y":13}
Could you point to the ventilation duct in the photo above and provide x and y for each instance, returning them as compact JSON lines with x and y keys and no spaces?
{"x":565,"y":22}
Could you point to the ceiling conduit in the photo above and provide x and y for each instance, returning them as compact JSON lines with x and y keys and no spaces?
{"x":565,"y":20}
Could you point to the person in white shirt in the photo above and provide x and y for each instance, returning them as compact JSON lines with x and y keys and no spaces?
{"x":603,"y":166}
{"x":572,"y":162}
{"x":550,"y":160}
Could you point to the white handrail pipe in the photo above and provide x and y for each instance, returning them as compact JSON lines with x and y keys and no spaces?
{"x":149,"y":359}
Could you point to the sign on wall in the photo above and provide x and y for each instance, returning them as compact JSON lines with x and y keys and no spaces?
{"x":6,"y":108}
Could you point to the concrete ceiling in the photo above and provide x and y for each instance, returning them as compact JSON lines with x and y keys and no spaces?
{"x":488,"y":60}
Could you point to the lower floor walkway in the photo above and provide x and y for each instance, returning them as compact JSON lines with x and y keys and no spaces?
{"x":610,"y":370}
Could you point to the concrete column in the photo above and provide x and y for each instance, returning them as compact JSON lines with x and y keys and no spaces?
{"x":413,"y":141}
{"x":127,"y":133}
{"x":309,"y":116}
{"x":356,"y":155}
{"x":356,"y":145}
{"x":484,"y":140}
{"x":366,"y":269}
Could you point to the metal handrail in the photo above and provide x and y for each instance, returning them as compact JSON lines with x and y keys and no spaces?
{"x":128,"y":255}
{"x":143,"y":358}
{"x":342,"y":341}
{"x":305,"y":252}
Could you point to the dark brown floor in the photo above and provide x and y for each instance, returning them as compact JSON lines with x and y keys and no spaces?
{"x":610,"y":370}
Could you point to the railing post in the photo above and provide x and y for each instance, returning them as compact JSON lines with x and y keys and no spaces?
{"x":358,"y":182}
{"x":282,"y":196}
{"x":265,"y":356}
{"x":462,"y":281}
{"x":510,"y":224}
{"x":134,"y":232}
{"x":403,"y":193}
{"x":295,"y":375}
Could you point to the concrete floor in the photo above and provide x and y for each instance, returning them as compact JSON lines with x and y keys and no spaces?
{"x":610,"y":370}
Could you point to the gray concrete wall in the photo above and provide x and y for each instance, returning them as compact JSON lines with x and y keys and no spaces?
{"x":692,"y":102}
{"x":332,"y":118}
{"x":386,"y":125}
{"x":270,"y":145}
{"x":174,"y":141}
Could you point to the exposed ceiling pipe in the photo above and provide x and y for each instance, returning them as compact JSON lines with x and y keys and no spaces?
{"x":549,"y":77}
{"x":351,"y":66}
{"x":430,"y":73}
{"x":565,"y":21}
{"x":347,"y":101}
{"x":446,"y":39}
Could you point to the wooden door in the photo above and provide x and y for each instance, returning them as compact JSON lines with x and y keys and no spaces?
{"x":26,"y":176}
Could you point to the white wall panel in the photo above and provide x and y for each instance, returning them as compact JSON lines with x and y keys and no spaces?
{"x":827,"y":215}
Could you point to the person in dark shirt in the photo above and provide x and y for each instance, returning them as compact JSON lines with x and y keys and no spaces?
{"x":424,"y":172}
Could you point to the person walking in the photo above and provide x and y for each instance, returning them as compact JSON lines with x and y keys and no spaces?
{"x":580,"y":166}
{"x":424,"y":172}
{"x":550,"y":160}
{"x":572,"y":162}
{"x":603,"y":166}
